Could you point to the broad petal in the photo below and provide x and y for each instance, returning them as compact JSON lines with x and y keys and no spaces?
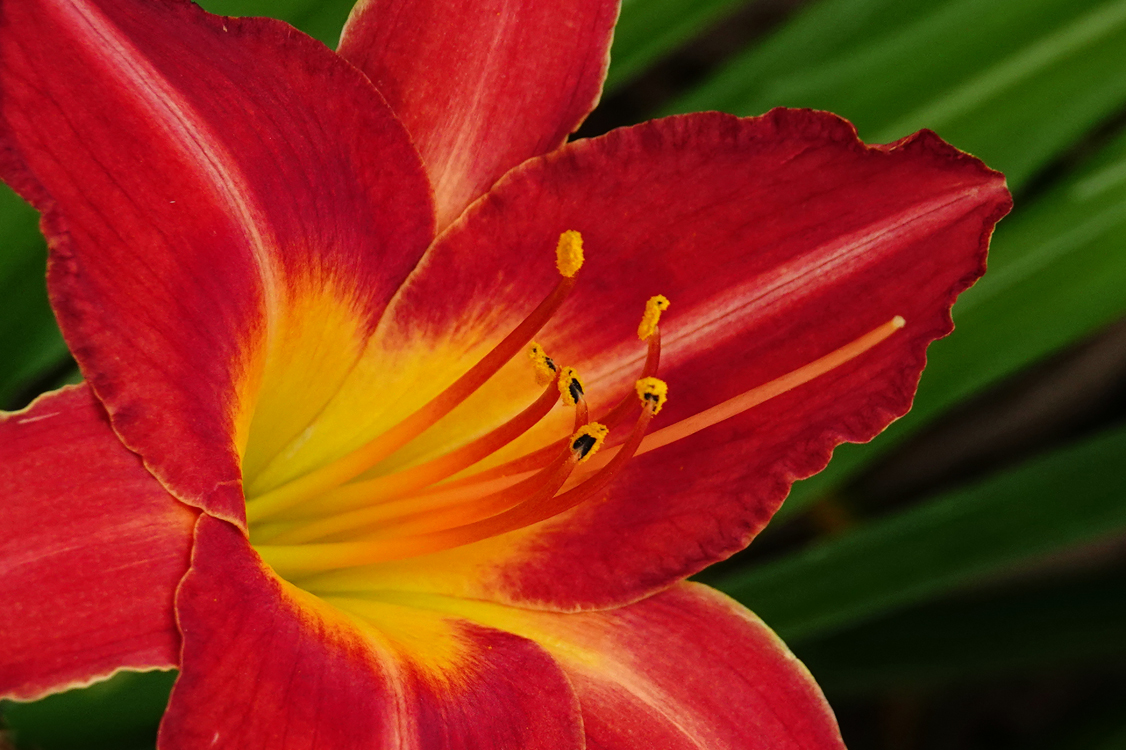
{"x":266,"y":665}
{"x":778,"y":239}
{"x":482,"y":85}
{"x":92,"y":550}
{"x":688,"y":668}
{"x":685,"y":669}
{"x":223,"y":199}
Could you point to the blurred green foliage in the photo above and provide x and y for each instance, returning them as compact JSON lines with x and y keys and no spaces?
{"x":118,"y":714}
{"x":1004,"y":629}
{"x":1069,"y":498}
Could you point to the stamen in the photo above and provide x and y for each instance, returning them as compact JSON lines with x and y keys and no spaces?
{"x":586,"y":442}
{"x":749,"y":399}
{"x":653,"y":309}
{"x":391,"y":510}
{"x":543,"y":365}
{"x":417,"y":515}
{"x":652,"y":362}
{"x":291,"y":561}
{"x":570,"y":386}
{"x":400,"y":484}
{"x":611,"y":419}
{"x":653,"y":394}
{"x":569,"y":259}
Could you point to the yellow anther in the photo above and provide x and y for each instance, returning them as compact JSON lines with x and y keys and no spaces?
{"x":653,"y":309}
{"x":569,"y":253}
{"x":543,"y":365}
{"x":653,"y":393}
{"x":586,"y":442}
{"x":570,"y":387}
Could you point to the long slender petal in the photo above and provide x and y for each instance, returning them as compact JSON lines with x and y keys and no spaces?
{"x":781,"y":239}
{"x":92,"y":550}
{"x":482,"y":85}
{"x":223,"y":198}
{"x":266,"y":665}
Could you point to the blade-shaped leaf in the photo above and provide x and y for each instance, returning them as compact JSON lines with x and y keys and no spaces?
{"x":648,"y":29}
{"x":30,"y":342}
{"x":121,"y":713}
{"x":993,"y":633}
{"x":321,"y":19}
{"x":1014,"y":82}
{"x":1070,"y":497}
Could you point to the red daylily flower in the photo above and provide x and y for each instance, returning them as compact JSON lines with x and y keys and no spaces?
{"x":308,"y":468}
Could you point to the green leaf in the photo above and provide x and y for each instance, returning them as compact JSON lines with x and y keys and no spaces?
{"x":649,"y":29}
{"x":121,"y":713}
{"x":30,"y":342}
{"x":1056,"y":274}
{"x":1015,"y":82}
{"x":1098,"y":723}
{"x":986,"y":635}
{"x":322,"y":19}
{"x":1068,"y":498}
{"x":1108,"y":736}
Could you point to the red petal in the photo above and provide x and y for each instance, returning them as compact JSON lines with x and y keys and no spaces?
{"x":689,"y":668}
{"x":482,"y":85}
{"x":686,"y":668}
{"x":204,"y":181}
{"x":266,"y":665}
{"x":92,"y":550}
{"x":778,"y":240}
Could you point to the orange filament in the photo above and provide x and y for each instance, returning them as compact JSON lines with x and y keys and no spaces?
{"x":457,"y":514}
{"x":611,"y":419}
{"x":385,"y":511}
{"x":362,"y":459}
{"x":749,"y":399}
{"x":652,"y":362}
{"x":411,"y":516}
{"x":584,"y":443}
{"x":303,"y":559}
{"x":401,"y":484}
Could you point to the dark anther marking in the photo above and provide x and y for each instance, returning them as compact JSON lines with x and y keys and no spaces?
{"x":550,"y":364}
{"x":583,"y":445}
{"x":575,"y":389}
